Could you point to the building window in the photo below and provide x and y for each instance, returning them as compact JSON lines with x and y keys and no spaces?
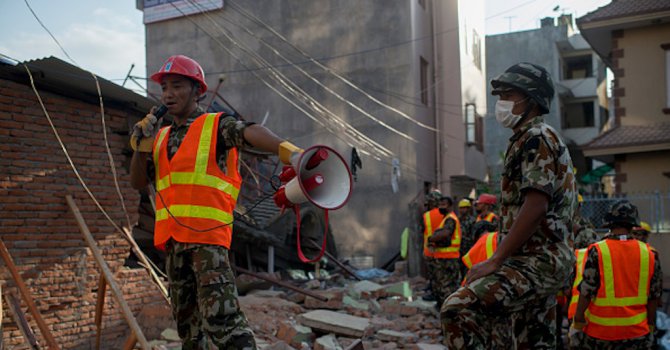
{"x":577,"y":67}
{"x":424,"y":80}
{"x":578,"y":115}
{"x":476,"y":50}
{"x":474,"y":131}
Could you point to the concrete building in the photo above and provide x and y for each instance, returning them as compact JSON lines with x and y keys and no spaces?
{"x":633,"y":38}
{"x":579,"y":108}
{"x":424,"y":58}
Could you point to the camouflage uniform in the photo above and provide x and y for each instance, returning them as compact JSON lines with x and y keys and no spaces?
{"x":201,"y":282}
{"x":467,"y":238}
{"x":446,"y":273}
{"x":585,"y":234}
{"x":524,"y":289}
{"x":621,"y":212}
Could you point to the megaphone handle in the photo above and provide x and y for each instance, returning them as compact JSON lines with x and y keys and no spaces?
{"x":303,"y":258}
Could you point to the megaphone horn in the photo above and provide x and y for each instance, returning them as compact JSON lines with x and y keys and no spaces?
{"x":322,"y":178}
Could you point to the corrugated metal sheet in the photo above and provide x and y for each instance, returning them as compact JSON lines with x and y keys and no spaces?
{"x":60,"y":77}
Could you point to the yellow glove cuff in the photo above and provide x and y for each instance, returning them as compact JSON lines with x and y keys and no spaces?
{"x":144,"y":144}
{"x":286,"y":149}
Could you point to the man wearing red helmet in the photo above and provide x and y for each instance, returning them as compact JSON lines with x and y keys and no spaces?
{"x":195,"y":164}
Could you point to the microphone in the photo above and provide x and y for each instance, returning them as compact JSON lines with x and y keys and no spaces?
{"x":162,"y":109}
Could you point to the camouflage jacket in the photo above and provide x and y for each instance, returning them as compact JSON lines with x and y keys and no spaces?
{"x":230,"y":134}
{"x":537,"y":159}
{"x":467,"y":235}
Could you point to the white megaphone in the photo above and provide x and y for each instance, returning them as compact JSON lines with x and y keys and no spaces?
{"x":320,"y":176}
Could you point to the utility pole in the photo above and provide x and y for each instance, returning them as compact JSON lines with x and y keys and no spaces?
{"x":509,"y":19}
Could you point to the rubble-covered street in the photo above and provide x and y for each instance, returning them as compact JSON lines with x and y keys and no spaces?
{"x":384,"y":312}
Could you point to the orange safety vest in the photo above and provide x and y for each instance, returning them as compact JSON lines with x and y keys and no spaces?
{"x":431,"y":222}
{"x":193,"y":187}
{"x":450,"y":252}
{"x":579,"y":275}
{"x":619,"y":310}
{"x":489,"y":217}
{"x":483,"y":249}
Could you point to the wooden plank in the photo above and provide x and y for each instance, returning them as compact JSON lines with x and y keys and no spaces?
{"x":130,"y":342}
{"x":19,"y":317}
{"x":99,"y":310}
{"x":25,"y":294}
{"x":281,"y":283}
{"x":109,"y":277}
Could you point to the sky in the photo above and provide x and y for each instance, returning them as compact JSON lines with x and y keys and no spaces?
{"x":107,"y":37}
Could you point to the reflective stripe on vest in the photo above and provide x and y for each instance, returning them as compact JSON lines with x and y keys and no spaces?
{"x":431,"y":221}
{"x":619,"y":310}
{"x":580,"y":254}
{"x":193,"y":187}
{"x":489,"y":217}
{"x":450,"y":252}
{"x":483,"y":249}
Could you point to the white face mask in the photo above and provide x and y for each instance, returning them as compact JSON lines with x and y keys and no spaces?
{"x":504,"y":113}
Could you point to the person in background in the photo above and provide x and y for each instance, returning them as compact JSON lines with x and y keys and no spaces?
{"x":621,"y":284}
{"x":467,"y":220}
{"x":445,"y":246}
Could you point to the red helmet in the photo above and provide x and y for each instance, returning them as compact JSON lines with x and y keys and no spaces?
{"x":182,"y":65}
{"x":486,"y":198}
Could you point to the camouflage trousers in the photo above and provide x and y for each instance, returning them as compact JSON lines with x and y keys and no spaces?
{"x":204,"y":298}
{"x":579,"y":340}
{"x":504,"y":310}
{"x":445,"y":277}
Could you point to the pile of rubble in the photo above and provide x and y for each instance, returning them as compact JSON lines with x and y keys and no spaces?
{"x":386,"y":313}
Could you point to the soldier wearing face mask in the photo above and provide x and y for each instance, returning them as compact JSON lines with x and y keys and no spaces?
{"x":533,"y":259}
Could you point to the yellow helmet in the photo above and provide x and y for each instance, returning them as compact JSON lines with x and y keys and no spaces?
{"x":580,"y":199}
{"x":464,"y":203}
{"x":643,"y":227}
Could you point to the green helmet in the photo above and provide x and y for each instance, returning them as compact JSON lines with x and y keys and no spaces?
{"x":529,"y":78}
{"x":622,"y":213}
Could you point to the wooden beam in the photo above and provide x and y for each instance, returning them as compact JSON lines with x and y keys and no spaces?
{"x":25,"y":294}
{"x":281,"y":283}
{"x":344,"y":267}
{"x":130,"y":342}
{"x":19,"y":317}
{"x":109,"y":277}
{"x":99,"y":310}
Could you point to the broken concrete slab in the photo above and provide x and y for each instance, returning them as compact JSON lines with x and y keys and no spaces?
{"x":401,"y":289}
{"x":424,"y":346}
{"x":359,"y":288}
{"x":327,"y":342}
{"x":334,"y":322}
{"x":334,"y":300}
{"x":395,"y":336}
{"x":348,"y":301}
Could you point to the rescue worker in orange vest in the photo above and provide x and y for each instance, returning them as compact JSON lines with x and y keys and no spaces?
{"x":482,"y":250}
{"x":487,"y":220}
{"x":445,"y":244}
{"x":431,"y":221}
{"x":621,"y":282}
{"x":484,"y":206}
{"x":195,"y":164}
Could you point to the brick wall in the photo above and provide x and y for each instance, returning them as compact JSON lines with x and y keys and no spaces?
{"x":39,"y":229}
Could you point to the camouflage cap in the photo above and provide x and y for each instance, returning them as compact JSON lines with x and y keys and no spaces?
{"x":529,"y":78}
{"x":433,"y":198}
{"x":622,"y":213}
